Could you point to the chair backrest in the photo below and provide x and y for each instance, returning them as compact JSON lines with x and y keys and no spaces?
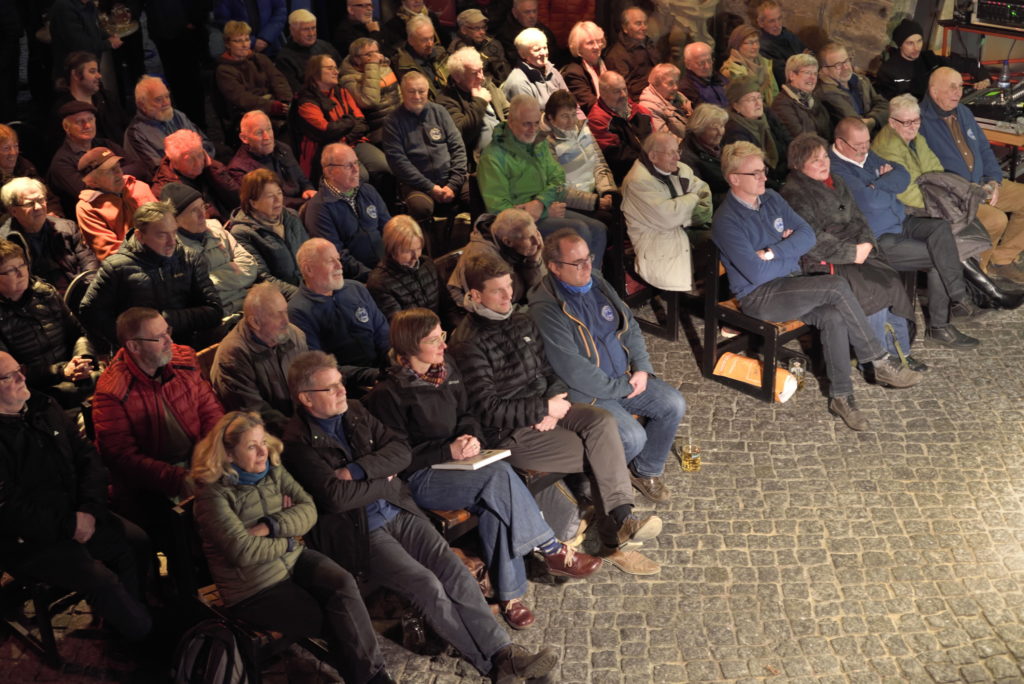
{"x":446,"y":264}
{"x":205,"y":358}
{"x":77,"y":288}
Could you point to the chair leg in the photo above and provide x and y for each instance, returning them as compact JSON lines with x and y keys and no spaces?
{"x":47,"y":641}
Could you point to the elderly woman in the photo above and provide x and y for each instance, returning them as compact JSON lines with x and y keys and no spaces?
{"x":702,"y":148}
{"x":425,"y":401}
{"x":796,"y":106}
{"x":248,"y":80}
{"x":269,"y":231}
{"x":405,"y":279}
{"x":588,"y":180}
{"x":367,"y":76}
{"x":745,"y":60}
{"x":251,"y":515}
{"x":37,"y":329}
{"x":669,"y":108}
{"x":751,"y":122}
{"x":586,"y":43}
{"x":56,"y":247}
{"x":845,"y":244}
{"x":533,"y":74}
{"x":327,"y":114}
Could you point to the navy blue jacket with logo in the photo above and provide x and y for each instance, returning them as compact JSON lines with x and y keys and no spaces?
{"x":357,"y":235}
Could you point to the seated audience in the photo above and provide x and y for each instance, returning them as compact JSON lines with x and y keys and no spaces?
{"x":524,"y":15}
{"x":702,"y":148}
{"x":261,"y":150}
{"x":421,"y":53}
{"x":700,"y":82}
{"x":269,"y":231}
{"x":107,"y":204}
{"x":475,"y":104}
{"x":347,"y":213}
{"x":424,"y":400}
{"x":367,"y":76}
{"x":396,"y":29}
{"x":661,"y":198}
{"x":185,"y":161}
{"x":267,"y":20}
{"x":232,"y":269}
{"x":250,"y":368}
{"x":845,"y":93}
{"x":796,"y":106}
{"x":151,"y":407}
{"x":56,"y":527}
{"x":247,"y":79}
{"x":595,"y":346}
{"x":960,"y":144}
{"x":79,"y":122}
{"x":619,"y":125}
{"x":358,"y":23}
{"x":13,"y":164}
{"x":669,"y":108}
{"x":406,"y":279}
{"x":251,"y":516}
{"x":778,"y":43}
{"x":55,"y":248}
{"x":749,"y":121}
{"x":586,"y":43}
{"x":38,"y":330}
{"x":82,"y":82}
{"x":760,"y":260}
{"x":339,"y":316}
{"x":370,"y":524}
{"x":472,"y":32}
{"x":745,"y":60}
{"x":589,"y":185}
{"x":532,"y":74}
{"x":302,"y":44}
{"x":907,"y":66}
{"x":155,"y":119}
{"x":522,"y":405}
{"x":518,"y":171}
{"x":511,"y":236}
{"x":633,"y":54}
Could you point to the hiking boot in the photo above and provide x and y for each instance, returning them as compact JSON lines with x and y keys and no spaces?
{"x":514,"y":662}
{"x":889,"y":372}
{"x":845,"y":408}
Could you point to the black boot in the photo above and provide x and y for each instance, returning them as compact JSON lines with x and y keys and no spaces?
{"x":998,"y":298}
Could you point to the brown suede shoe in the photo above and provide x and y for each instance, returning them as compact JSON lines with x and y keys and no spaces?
{"x":631,"y":562}
{"x":571,"y":563}
{"x":652,"y":487}
{"x":516,"y":614}
{"x":635,"y":530}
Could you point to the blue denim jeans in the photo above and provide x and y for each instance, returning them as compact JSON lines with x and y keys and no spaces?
{"x":593,"y":232}
{"x":510,"y":522}
{"x":647,"y":446}
{"x":877,"y":322}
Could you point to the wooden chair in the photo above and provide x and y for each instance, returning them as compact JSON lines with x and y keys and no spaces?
{"x":36,"y":630}
{"x":205,"y":358}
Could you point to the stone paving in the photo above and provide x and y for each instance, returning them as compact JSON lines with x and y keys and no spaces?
{"x":801,"y":551}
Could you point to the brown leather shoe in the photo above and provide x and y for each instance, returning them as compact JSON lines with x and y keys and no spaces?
{"x":570,"y":563}
{"x":631,"y":562}
{"x":635,"y":530}
{"x":516,"y":614}
{"x":652,"y":487}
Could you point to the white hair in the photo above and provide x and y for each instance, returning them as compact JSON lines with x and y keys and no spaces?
{"x":529,"y":37}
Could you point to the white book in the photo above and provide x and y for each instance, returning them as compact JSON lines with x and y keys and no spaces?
{"x":485,"y":457}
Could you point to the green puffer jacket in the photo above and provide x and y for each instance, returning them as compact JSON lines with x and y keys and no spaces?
{"x":242,"y":564}
{"x":917,"y":160}
{"x":511,"y":172}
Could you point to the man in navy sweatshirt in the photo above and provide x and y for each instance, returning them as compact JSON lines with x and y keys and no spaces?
{"x":761,"y":240}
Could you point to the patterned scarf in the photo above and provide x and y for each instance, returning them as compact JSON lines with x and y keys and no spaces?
{"x":435,"y":375}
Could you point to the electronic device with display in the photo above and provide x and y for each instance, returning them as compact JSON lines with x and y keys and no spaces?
{"x":999,"y":13}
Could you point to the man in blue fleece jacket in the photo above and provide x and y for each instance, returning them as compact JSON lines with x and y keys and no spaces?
{"x":761,"y":240}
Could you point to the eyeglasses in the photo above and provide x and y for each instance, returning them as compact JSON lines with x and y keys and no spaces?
{"x":759,"y":173}
{"x":856,"y":146}
{"x":166,"y":335}
{"x":908,"y":122}
{"x":329,"y":68}
{"x":17,"y":373}
{"x":30,"y":202}
{"x":579,"y":265}
{"x":335,"y":388}
{"x":346,"y":165}
{"x":239,"y":41}
{"x":845,"y":63}
{"x":14,"y":270}
{"x":437,"y":341}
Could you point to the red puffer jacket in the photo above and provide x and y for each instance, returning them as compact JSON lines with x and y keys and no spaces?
{"x":129,"y":422}
{"x":561,"y":16}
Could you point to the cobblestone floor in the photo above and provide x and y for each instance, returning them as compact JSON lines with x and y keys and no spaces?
{"x":801,"y":552}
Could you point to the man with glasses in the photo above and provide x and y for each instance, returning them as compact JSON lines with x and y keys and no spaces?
{"x":844,"y":93}
{"x":472,"y":32}
{"x":595,"y":346}
{"x":700,"y":81}
{"x":358,"y":23}
{"x":908,"y":243}
{"x":761,"y":240}
{"x":302,"y":44}
{"x":796,"y":106}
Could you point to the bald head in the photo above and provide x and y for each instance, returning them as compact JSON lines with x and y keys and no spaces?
{"x":945,"y":87}
{"x":613,"y":90}
{"x":698,"y":59}
{"x":848,"y":126}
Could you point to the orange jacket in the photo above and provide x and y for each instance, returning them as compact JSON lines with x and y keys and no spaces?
{"x":105,"y":218}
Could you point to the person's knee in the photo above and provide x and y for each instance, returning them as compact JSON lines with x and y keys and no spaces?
{"x":633,"y":435}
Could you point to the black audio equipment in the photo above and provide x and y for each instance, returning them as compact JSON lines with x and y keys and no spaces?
{"x":1000,"y":13}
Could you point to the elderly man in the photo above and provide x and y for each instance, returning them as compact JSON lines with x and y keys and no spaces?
{"x":661,"y":199}
{"x":634,"y":54}
{"x":844,"y":93}
{"x":619,"y":125}
{"x":761,"y":241}
{"x":232,"y":269}
{"x":358,"y":23}
{"x":56,"y":527}
{"x":250,"y":369}
{"x":425,"y":152}
{"x":517,"y":170}
{"x":700,"y":82}
{"x":960,"y":144}
{"x":668,"y":107}
{"x":796,"y":107}
{"x":260,"y":150}
{"x":83,"y":83}
{"x":339,"y":316}
{"x":595,"y":346}
{"x":778,"y":43}
{"x":511,"y":236}
{"x":186,"y":161}
{"x":525,"y":14}
{"x":421,"y":54}
{"x":55,"y":247}
{"x":366,"y":74}
{"x":155,"y":119}
{"x":349,"y":214}
{"x":472,"y":32}
{"x":907,"y":66}
{"x":396,"y":28}
{"x":476,"y":105}
{"x":302,"y":44}
{"x":153,"y":269}
{"x":532,"y":73}
{"x":151,"y":407}
{"x":107,"y":203}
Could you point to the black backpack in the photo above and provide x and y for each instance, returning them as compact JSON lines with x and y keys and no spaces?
{"x":209,"y":653}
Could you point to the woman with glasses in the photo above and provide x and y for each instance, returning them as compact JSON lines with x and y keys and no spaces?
{"x":845,"y":93}
{"x":248,"y":80}
{"x":425,"y":400}
{"x":745,"y":60}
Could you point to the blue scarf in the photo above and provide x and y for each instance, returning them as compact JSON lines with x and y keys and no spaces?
{"x":247,"y":478}
{"x":578,"y":289}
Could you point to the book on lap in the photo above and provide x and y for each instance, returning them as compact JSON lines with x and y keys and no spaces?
{"x":484,"y":458}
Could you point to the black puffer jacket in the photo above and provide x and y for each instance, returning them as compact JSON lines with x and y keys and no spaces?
{"x":504,"y":363}
{"x":39,"y":331}
{"x":275,"y":256}
{"x":395,"y":288}
{"x":63,"y":254}
{"x":178,"y":286}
